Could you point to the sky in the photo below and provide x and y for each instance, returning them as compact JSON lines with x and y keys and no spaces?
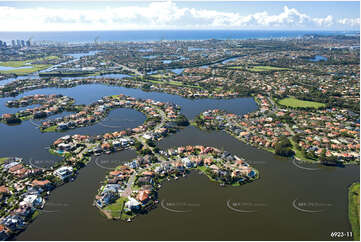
{"x":194,"y":15}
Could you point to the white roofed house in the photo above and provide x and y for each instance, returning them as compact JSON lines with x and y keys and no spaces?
{"x":33,"y":200}
{"x":64,"y":172}
{"x":132,"y":204}
{"x":187,"y":162}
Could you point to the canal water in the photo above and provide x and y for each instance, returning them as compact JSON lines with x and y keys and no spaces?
{"x":317,"y":58}
{"x":286,"y":203}
{"x":16,"y":139}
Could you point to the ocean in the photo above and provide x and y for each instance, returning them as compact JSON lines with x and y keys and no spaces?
{"x":156,"y":35}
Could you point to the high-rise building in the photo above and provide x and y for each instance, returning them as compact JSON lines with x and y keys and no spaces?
{"x":18,"y":43}
{"x":13,"y":43}
{"x":22,"y":43}
{"x":28,"y":43}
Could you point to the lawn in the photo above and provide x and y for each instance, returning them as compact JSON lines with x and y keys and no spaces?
{"x":3,"y":159}
{"x":24,"y":62}
{"x":296,"y":103}
{"x":50,"y":129}
{"x":158,"y":76}
{"x":116,"y":207}
{"x":354,"y":209}
{"x":14,"y":63}
{"x":299,"y":154}
{"x":35,"y":214}
{"x":236,"y":67}
{"x":25,"y":71}
{"x":267,"y":68}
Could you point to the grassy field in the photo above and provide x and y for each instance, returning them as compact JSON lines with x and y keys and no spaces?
{"x":259,"y":68}
{"x":299,"y":154}
{"x":296,"y":103}
{"x":25,"y":62}
{"x":267,"y":68}
{"x":50,"y":129}
{"x":25,"y":71}
{"x":236,"y":67}
{"x":354,"y":209}
{"x":3,"y":159}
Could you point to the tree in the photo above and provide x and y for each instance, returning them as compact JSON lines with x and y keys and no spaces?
{"x":182,"y":120}
{"x":138,"y":145}
{"x":323,"y":157}
{"x":150,"y":143}
{"x":146,"y":151}
{"x":284,"y":147}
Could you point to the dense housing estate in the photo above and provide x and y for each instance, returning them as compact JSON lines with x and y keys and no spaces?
{"x":307,"y":91}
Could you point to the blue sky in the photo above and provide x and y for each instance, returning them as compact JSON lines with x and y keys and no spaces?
{"x":111,"y":15}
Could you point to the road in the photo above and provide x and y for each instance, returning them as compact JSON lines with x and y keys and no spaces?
{"x":131,"y":181}
{"x":274,"y":107}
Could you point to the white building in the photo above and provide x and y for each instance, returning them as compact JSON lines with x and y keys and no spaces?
{"x":64,"y":172}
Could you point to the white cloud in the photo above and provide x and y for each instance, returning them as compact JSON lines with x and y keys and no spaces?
{"x":350,"y":21}
{"x":328,"y":21}
{"x":158,"y":15}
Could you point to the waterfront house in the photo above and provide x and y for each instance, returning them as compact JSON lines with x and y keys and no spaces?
{"x":14,"y":222}
{"x":132,"y":205}
{"x":63,"y":126}
{"x":4,"y":191}
{"x":133,"y":164}
{"x":43,"y":184}
{"x":4,"y":233}
{"x":144,"y":180}
{"x":32,"y":201}
{"x":106,"y":198}
{"x":25,"y":210}
{"x":64,"y":172}
{"x":187,"y":162}
{"x":143,"y":196}
{"x":113,"y":188}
